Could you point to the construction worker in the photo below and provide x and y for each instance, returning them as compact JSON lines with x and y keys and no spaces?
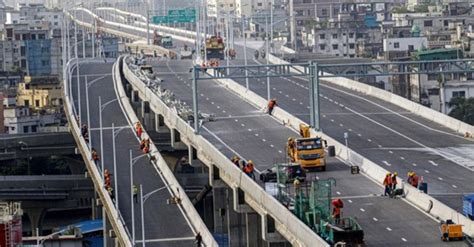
{"x":242,"y":165}
{"x":297,"y":185}
{"x":95,"y":156}
{"x":271,"y":104}
{"x":135,"y":193}
{"x":110,"y":190}
{"x":146,"y":147}
{"x":235,"y":160}
{"x":84,"y":130}
{"x":198,"y":240}
{"x":139,"y":129}
{"x":249,"y":169}
{"x":336,"y":210}
{"x":413,"y":179}
{"x":394,"y":181}
{"x":387,"y":182}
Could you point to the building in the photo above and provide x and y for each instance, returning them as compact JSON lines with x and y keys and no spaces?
{"x":403,"y":47}
{"x":2,"y":127}
{"x":39,"y":93}
{"x":19,"y":120}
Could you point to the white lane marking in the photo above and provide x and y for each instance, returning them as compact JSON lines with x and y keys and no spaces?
{"x":440,"y":178}
{"x":402,"y":158}
{"x":363,"y":210}
{"x":243,"y":125}
{"x":212,"y":102}
{"x":369,"y":140}
{"x":414,"y":164}
{"x":280,"y":151}
{"x":404,"y":240}
{"x":359,"y":135}
{"x":250,"y":130}
{"x":271,"y":145}
{"x":223,"y":111}
{"x":207,"y":98}
{"x":263,"y":140}
{"x":225,"y":144}
{"x":256,"y":134}
{"x":236,"y":120}
{"x":332,"y":120}
{"x":433,"y":163}
{"x":308,"y":107}
{"x":375,"y":219}
{"x":379,"y":146}
{"x":301,"y":103}
{"x":390,"y":151}
{"x":279,"y":92}
{"x":341,"y":125}
{"x":350,"y":130}
{"x":293,"y":99}
{"x":388,"y":229}
{"x":218,"y":107}
{"x":386,"y":163}
{"x":350,"y":201}
{"x":454,"y":186}
{"x":427,"y":171}
{"x":337,"y":192}
{"x":389,"y":110}
{"x":287,"y":96}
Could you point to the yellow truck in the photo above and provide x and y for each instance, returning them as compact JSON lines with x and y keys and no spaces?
{"x":308,"y":151}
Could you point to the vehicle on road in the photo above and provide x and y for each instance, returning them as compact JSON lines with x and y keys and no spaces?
{"x":307,"y":151}
{"x":186,"y":53}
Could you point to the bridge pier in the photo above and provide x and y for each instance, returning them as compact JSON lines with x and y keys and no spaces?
{"x":176,"y":142}
{"x":36,"y":216}
{"x":253,"y":234}
{"x":148,"y":117}
{"x":160,"y":126}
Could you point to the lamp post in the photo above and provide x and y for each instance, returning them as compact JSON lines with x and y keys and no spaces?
{"x":115,"y":133}
{"x":143,"y":199}
{"x":133,"y":160}
{"x":101,"y":108}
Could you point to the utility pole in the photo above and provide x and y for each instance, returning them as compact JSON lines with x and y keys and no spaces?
{"x":267,"y":55}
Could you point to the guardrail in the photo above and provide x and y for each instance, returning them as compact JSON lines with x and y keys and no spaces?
{"x":295,"y":231}
{"x":160,"y":164}
{"x":420,"y":110}
{"x":416,"y":197}
{"x":114,"y":217}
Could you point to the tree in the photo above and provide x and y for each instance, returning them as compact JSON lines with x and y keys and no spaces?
{"x":462,"y":109}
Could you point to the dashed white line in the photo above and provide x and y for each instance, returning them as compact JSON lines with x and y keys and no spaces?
{"x":404,"y":240}
{"x":386,"y":163}
{"x":337,"y":192}
{"x":363,"y":210}
{"x":402,"y":158}
{"x":350,"y":201}
{"x":236,"y":120}
{"x":341,"y":125}
{"x":427,"y":171}
{"x":433,"y":163}
{"x":280,"y":151}
{"x":350,"y":130}
{"x":249,"y":129}
{"x":454,"y":186}
{"x":388,"y":229}
{"x":218,"y":107}
{"x":414,"y":164}
{"x":379,"y":146}
{"x":301,"y":103}
{"x":369,"y":140}
{"x":263,"y":140}
{"x":243,"y":125}
{"x":271,"y":145}
{"x":332,"y":120}
{"x":256,"y":134}
{"x":359,"y":135}
{"x":375,"y":219}
{"x":212,"y":102}
{"x":390,"y":151}
{"x":440,"y":178}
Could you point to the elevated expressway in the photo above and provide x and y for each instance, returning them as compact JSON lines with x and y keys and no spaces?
{"x":241,"y":129}
{"x":387,"y":142}
{"x":384,"y":132}
{"x":160,"y":191}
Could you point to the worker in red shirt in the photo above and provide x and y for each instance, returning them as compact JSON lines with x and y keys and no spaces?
{"x":271,"y":104}
{"x":337,"y":205}
{"x":387,"y":182}
{"x":139,"y":129}
{"x":413,"y":179}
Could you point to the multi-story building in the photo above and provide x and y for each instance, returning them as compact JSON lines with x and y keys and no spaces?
{"x":39,"y":93}
{"x":2,"y":127}
{"x":19,"y":120}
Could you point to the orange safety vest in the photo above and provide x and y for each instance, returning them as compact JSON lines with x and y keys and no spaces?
{"x":387,"y":180}
{"x":394,"y":179}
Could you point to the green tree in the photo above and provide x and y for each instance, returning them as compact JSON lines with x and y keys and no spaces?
{"x":462,"y":109}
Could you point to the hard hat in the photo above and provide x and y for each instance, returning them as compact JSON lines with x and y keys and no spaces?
{"x":250,"y":162}
{"x":388,"y":174}
{"x":395,"y":173}
{"x":289,"y":138}
{"x":410,"y":174}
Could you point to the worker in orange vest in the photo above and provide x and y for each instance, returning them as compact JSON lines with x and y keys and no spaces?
{"x":394,"y":181}
{"x":95,"y":156}
{"x":271,"y":104}
{"x":387,"y":182}
{"x":138,"y":129}
{"x":413,"y":179}
{"x":249,"y":168}
{"x":337,"y":204}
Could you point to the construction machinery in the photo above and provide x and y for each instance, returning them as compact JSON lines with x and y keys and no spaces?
{"x":451,"y":231}
{"x":186,"y":53}
{"x":165,"y":41}
{"x":308,"y":151}
{"x":214,"y":50}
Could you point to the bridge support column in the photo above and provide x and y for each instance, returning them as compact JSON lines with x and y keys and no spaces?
{"x":253,"y":236}
{"x":160,"y":126}
{"x":176,"y":142}
{"x":147,"y":115}
{"x":192,"y":155}
{"x":36,"y":218}
{"x":269,"y":233}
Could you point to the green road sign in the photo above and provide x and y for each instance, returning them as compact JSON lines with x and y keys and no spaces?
{"x":181,"y":15}
{"x":160,"y":19}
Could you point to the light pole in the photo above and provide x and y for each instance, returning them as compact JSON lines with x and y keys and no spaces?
{"x":132,"y":162}
{"x":245,"y":54}
{"x":101,"y":108}
{"x":346,"y":137}
{"x":267,"y":56}
{"x":143,"y":199}
{"x":115,"y":133}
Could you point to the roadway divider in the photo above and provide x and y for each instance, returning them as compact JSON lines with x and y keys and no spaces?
{"x":113,"y":215}
{"x":162,"y":167}
{"x":418,"y":109}
{"x":421,"y":200}
{"x":294,"y":230}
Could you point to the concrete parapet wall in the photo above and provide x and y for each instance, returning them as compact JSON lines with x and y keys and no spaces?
{"x":416,"y":197}
{"x":294,"y":230}
{"x":167,"y":175}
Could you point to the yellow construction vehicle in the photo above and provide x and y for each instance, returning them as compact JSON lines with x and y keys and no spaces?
{"x":308,"y":151}
{"x":451,"y":231}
